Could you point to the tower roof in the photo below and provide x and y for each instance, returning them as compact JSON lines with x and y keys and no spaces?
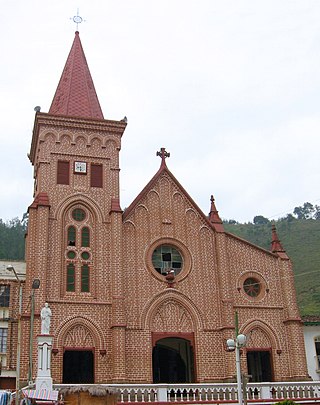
{"x":75,"y":95}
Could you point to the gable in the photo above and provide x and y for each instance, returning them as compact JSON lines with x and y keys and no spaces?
{"x":171,"y":199}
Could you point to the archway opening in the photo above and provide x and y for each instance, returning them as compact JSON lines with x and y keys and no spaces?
{"x":78,"y":367}
{"x":259,"y":365}
{"x":173,"y":361}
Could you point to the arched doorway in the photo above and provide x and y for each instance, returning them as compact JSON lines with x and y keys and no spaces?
{"x":78,"y":367}
{"x":173,"y":361}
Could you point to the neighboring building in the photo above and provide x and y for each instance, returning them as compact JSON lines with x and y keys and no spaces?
{"x":149,"y":294}
{"x":9,"y":314}
{"x":312,"y":345}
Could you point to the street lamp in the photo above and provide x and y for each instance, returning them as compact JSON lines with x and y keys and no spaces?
{"x":235,"y":345}
{"x":11,"y":268}
{"x":35,"y":286}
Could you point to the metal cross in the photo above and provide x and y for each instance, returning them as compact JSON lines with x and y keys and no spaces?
{"x":163,"y":154}
{"x":77,"y":19}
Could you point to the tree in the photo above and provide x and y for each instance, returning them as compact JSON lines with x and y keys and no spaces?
{"x":260,"y":220}
{"x":304,"y":212}
{"x":289,"y":218}
{"x":317,"y":212}
{"x":230,"y":221}
{"x":12,"y":239}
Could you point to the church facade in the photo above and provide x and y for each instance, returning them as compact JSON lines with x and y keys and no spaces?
{"x":149,"y":294}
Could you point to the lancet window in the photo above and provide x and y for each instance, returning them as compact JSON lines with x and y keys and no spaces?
{"x":78,"y":256}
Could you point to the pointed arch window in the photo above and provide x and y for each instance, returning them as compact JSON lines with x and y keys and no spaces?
{"x":85,"y":237}
{"x":85,"y":278}
{"x":71,"y":236}
{"x":70,"y":277}
{"x":78,"y":254}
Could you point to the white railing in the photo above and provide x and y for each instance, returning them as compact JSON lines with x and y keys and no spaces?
{"x":212,"y":393}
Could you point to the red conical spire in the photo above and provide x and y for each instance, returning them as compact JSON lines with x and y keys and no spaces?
{"x":75,"y":94}
{"x":214,"y":217}
{"x":276,"y":246}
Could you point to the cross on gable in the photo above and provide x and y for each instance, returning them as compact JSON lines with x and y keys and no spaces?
{"x":163,"y":154}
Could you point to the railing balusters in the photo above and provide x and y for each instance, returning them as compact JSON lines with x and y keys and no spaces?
{"x":211,"y":393}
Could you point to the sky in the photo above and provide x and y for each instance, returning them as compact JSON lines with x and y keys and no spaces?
{"x":231,"y":88}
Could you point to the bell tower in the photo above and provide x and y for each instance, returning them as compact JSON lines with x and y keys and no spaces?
{"x":73,"y":244}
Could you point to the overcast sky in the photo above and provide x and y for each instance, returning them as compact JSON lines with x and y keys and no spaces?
{"x":231,"y":88}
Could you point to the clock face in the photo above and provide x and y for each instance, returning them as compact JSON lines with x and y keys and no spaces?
{"x":80,"y":167}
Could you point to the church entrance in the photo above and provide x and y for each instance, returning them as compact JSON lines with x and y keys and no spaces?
{"x":173,"y":361}
{"x":259,"y":365}
{"x":78,"y":367}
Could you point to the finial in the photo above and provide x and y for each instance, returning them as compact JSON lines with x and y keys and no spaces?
{"x":214,"y":217}
{"x":276,"y":246}
{"x":77,"y":19}
{"x":163,"y":154}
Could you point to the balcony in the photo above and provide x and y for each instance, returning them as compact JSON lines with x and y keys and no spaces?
{"x":268,"y":393}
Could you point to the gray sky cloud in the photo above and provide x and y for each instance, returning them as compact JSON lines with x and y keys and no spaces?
{"x":230,"y":88}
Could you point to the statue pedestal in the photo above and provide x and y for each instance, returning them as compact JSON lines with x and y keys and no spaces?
{"x":44,"y":380}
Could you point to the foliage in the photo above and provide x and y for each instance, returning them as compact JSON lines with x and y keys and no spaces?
{"x":286,"y":402}
{"x":12,"y":239}
{"x":307,"y":211}
{"x":260,"y":220}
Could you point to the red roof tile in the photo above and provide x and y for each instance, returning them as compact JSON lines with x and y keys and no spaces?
{"x":75,"y":95}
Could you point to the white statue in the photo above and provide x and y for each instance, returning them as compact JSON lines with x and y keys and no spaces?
{"x":45,"y":319}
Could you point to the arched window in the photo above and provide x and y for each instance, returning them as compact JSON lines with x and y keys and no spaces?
{"x":78,"y":254}
{"x":71,"y":236}
{"x":85,"y":278}
{"x":85,"y":237}
{"x":70,"y":277}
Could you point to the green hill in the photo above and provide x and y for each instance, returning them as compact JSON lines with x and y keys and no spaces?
{"x":301,"y":240}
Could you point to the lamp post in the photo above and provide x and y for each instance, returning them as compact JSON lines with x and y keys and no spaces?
{"x":11,"y":268}
{"x":35,"y":286}
{"x":235,"y":345}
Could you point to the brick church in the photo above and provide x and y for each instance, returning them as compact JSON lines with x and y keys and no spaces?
{"x":149,"y":294}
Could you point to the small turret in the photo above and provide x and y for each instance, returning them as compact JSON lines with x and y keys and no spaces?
{"x":276,"y":246}
{"x":214,"y":217}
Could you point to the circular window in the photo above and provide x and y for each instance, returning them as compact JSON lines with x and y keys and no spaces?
{"x":85,"y":255}
{"x":71,"y":254}
{"x":166,"y":258}
{"x":252,"y":287}
{"x":78,"y":214}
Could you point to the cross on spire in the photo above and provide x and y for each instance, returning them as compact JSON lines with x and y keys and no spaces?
{"x":77,"y":19}
{"x":163,"y":154}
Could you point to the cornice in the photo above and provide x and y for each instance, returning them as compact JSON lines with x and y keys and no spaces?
{"x":66,"y":122}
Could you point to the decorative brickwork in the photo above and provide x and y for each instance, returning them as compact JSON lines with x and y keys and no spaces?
{"x":127,"y":300}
